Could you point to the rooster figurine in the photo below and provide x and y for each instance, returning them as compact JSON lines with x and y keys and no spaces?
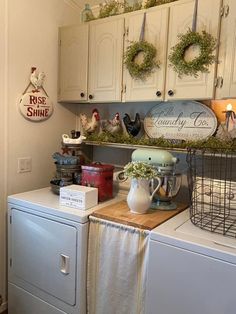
{"x":90,"y":125}
{"x":132,"y":127}
{"x":37,"y":80}
{"x":113,"y":126}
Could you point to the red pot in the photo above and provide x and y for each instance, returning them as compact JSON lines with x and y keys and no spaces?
{"x":99,"y":176}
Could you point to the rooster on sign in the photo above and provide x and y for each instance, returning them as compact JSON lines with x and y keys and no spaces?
{"x":37,"y":79}
{"x":90,"y":125}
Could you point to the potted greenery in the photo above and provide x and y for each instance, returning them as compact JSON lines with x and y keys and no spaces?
{"x":139,"y":197}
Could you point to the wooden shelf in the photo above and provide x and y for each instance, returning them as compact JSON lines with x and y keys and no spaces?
{"x":131,"y":146}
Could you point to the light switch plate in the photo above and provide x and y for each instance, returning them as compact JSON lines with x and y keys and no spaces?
{"x":24,"y":164}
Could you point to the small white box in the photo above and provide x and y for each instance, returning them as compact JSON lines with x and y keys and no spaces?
{"x":78,"y":196}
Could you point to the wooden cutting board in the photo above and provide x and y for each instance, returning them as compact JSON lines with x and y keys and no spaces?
{"x":120,"y":213}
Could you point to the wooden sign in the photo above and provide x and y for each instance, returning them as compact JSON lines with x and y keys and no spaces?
{"x":36,"y":106}
{"x":182,"y":120}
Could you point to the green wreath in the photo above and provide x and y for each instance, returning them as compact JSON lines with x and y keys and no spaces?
{"x":207,"y":44}
{"x":142,"y":70}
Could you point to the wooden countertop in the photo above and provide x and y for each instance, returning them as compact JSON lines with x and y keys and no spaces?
{"x":120,"y":213}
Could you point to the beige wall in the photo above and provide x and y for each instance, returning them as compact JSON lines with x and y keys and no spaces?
{"x":28,"y":37}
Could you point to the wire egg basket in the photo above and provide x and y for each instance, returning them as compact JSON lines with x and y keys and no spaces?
{"x":212,"y":188}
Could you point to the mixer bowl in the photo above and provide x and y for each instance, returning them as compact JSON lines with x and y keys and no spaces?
{"x":170,"y":185}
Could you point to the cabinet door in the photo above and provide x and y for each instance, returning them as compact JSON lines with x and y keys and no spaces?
{"x":105,"y":60}
{"x":227,"y":54}
{"x":73,"y":63}
{"x":156,"y":28}
{"x":181,"y":16}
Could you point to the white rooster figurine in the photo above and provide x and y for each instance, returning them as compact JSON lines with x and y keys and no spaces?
{"x":37,"y":80}
{"x":90,"y":125}
{"x":113,"y":126}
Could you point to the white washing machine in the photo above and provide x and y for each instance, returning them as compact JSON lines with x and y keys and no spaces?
{"x":47,"y":254}
{"x":190,"y":271}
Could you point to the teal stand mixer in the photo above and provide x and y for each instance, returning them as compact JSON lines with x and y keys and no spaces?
{"x":165,"y":163}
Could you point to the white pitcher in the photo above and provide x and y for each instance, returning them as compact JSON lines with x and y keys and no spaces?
{"x":139,"y":198}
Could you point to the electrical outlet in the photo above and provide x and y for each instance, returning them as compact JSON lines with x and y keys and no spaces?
{"x":24,"y":164}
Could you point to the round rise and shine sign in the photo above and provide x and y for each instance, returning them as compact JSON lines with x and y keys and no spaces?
{"x":36,"y":106}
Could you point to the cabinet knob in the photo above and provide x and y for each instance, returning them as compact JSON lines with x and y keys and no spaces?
{"x":90,"y":96}
{"x":82,"y":94}
{"x":158,"y":93}
{"x":170,"y":92}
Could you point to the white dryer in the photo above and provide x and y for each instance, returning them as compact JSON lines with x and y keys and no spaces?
{"x":190,"y":271}
{"x":47,"y":254}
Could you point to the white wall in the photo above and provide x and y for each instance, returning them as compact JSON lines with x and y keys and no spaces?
{"x":28,"y":37}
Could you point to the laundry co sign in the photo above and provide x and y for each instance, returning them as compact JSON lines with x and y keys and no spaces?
{"x":36,"y":106}
{"x":183,"y":120}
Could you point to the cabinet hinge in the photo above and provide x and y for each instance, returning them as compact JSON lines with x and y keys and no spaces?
{"x":10,"y":219}
{"x":219,"y":82}
{"x":224,"y":11}
{"x":10,"y":262}
{"x":127,"y":31}
{"x":124,"y":89}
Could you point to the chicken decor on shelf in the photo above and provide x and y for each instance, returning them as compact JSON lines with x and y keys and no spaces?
{"x":113,"y":126}
{"x":68,"y":140}
{"x":133,"y":127}
{"x":35,"y":105}
{"x":90,"y":125}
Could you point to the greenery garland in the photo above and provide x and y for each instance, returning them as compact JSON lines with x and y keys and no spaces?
{"x":142,"y":70}
{"x":109,"y":9}
{"x":210,"y":143}
{"x":207,"y":44}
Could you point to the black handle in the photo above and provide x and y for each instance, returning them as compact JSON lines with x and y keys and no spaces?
{"x":90,"y":96}
{"x":170,"y":92}
{"x":158,"y":93}
{"x":82,"y":94}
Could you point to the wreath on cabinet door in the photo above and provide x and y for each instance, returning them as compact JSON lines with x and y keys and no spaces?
{"x":206,"y":43}
{"x":140,"y":70}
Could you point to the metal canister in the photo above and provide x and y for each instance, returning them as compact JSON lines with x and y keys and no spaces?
{"x":99,"y":176}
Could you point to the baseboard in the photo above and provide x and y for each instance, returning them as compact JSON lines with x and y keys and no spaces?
{"x":3,"y":307}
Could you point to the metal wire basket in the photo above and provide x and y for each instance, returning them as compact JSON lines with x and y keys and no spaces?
{"x":212,"y":187}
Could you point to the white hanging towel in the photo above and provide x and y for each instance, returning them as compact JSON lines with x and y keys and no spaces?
{"x":117,"y":268}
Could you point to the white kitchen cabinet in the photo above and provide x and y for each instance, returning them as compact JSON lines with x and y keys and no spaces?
{"x":73,"y":63}
{"x":100,"y":79}
{"x":226,"y":74}
{"x":105,"y":60}
{"x":163,"y":25}
{"x":156,"y":32}
{"x":181,"y":16}
{"x":91,"y":55}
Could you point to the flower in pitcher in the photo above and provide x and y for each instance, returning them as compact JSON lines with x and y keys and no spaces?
{"x":141,"y":170}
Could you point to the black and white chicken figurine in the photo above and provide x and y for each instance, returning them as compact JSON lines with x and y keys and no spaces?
{"x":37,"y":79}
{"x":113,"y":126}
{"x":132,"y":126}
